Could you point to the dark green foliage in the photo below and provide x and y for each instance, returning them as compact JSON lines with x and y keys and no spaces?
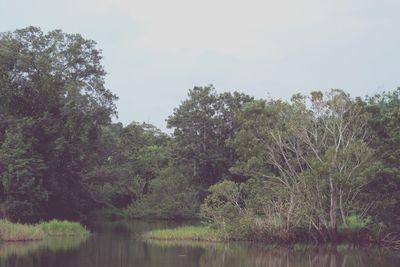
{"x":254,"y":123}
{"x":22,"y":170}
{"x":224,"y":204}
{"x":171,"y":196}
{"x":202,"y":125}
{"x":52,"y":91}
{"x":384,"y":189}
{"x":225,"y":209}
{"x":134,"y":156}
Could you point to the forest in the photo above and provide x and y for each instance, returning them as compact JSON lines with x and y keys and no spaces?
{"x":319,"y":166}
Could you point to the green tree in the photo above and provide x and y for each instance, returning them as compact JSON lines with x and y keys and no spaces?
{"x":134,"y":156}
{"x":56,"y":80}
{"x":314,"y":152}
{"x":171,"y":196}
{"x":383,"y":192}
{"x":21,"y":174}
{"x":202,"y":125}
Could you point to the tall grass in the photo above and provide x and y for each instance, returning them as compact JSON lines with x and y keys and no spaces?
{"x":18,"y":232}
{"x":63,"y":228}
{"x":199,"y":233}
{"x":24,"y":232}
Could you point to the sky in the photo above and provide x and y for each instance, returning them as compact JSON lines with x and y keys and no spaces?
{"x":155,"y":51}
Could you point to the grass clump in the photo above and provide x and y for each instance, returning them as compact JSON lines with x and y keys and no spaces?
{"x":198,"y":233}
{"x":20,"y":232}
{"x":24,"y":232}
{"x":63,"y":228}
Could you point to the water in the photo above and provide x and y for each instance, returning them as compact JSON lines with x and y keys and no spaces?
{"x":118,"y":244}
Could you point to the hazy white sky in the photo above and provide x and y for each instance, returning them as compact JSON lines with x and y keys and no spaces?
{"x":154,"y":51}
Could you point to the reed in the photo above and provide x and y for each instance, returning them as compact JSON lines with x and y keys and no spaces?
{"x":24,"y":232}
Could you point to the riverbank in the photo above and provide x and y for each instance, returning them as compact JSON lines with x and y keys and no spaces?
{"x":210,"y":234}
{"x":24,"y":232}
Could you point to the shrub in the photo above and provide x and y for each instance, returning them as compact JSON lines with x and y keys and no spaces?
{"x":223,"y":205}
{"x":354,"y":222}
{"x":224,"y":208}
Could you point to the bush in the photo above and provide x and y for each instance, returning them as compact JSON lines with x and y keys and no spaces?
{"x":224,"y":208}
{"x":223,"y":205}
{"x":355,"y":223}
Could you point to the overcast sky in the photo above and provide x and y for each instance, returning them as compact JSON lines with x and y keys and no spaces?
{"x":154,"y":51}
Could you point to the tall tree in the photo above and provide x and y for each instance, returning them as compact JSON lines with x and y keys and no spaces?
{"x":56,"y":80}
{"x":314,"y":150}
{"x":202,"y":125}
{"x":384,"y":189}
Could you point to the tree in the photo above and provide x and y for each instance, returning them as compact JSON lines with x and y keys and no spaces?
{"x":135,"y":155}
{"x":384,"y":189}
{"x":202,"y":125}
{"x":21,"y":172}
{"x":56,"y":81}
{"x":314,"y":152}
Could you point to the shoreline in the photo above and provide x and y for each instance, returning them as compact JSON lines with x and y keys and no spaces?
{"x":207,"y":234}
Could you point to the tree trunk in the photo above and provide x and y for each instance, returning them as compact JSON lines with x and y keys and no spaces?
{"x":342,"y":212}
{"x":290,"y":211}
{"x":333,"y":206}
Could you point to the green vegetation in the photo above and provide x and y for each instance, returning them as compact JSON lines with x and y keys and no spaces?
{"x":321,"y":167}
{"x":172,"y":197}
{"x":63,"y":228}
{"x":24,"y":232}
{"x":198,"y":233}
{"x":20,"y":232}
{"x":53,"y":107}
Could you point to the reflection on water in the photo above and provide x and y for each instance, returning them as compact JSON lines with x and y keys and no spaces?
{"x":23,"y":253}
{"x":51,"y":244}
{"x":119,"y":244}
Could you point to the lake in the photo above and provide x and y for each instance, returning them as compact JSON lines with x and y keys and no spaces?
{"x":118,"y":244}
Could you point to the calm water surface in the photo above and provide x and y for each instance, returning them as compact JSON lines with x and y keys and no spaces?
{"x":118,"y":244}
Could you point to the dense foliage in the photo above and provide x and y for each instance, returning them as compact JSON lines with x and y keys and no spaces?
{"x":322,"y":164}
{"x":53,"y":105}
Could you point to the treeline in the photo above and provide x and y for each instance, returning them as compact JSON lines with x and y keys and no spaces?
{"x":313,"y":166}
